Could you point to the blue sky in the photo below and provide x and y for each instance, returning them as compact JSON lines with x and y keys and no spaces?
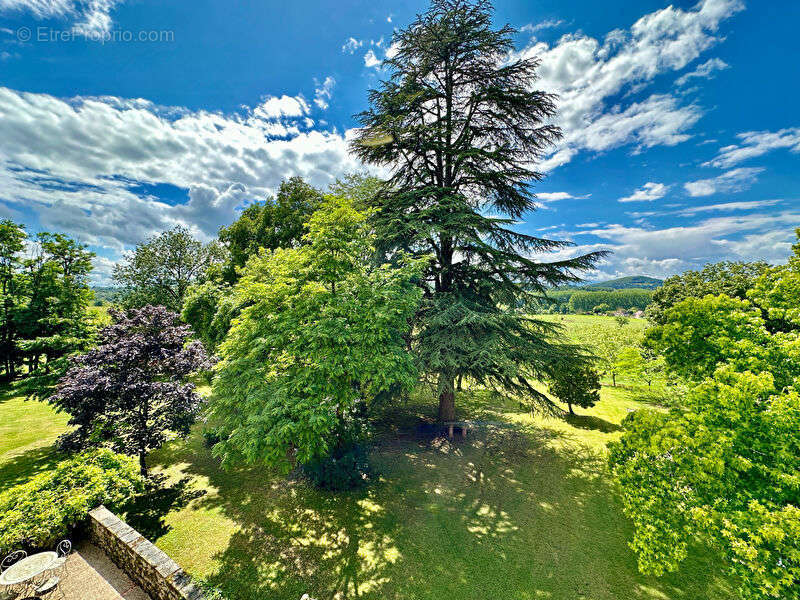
{"x":121,"y":118}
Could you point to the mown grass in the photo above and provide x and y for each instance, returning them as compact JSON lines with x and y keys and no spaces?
{"x":521,"y":509}
{"x":28,"y":430}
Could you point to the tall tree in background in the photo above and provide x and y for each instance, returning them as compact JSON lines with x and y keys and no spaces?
{"x":54,"y":322}
{"x":460,"y":127}
{"x":12,"y":241}
{"x":276,"y":223}
{"x":159,"y":271}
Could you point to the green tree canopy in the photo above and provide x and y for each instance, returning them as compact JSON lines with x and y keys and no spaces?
{"x":724,"y":467}
{"x":576,"y":384}
{"x":275,"y":223}
{"x":159,"y":271}
{"x":322,"y":335}
{"x":725,"y":470}
{"x":733,"y":279}
{"x":778,"y":291}
{"x":12,"y":242}
{"x":461,"y":127}
{"x":699,"y":334}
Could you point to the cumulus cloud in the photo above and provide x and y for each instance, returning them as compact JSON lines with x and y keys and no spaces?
{"x":91,"y":166}
{"x":371,"y":60}
{"x":90,"y":17}
{"x":648,"y":192}
{"x":588,"y":75}
{"x":663,"y":252}
{"x":703,"y":71}
{"x":324,"y":92}
{"x":756,"y":143}
{"x":736,"y":180}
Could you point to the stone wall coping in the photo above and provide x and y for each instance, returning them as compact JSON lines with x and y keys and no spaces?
{"x":141,"y":560}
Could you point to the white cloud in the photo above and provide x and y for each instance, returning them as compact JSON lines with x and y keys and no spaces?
{"x":735,"y":180}
{"x":588,"y":75}
{"x":285,"y":106}
{"x":90,"y":17}
{"x":88,"y":166}
{"x":756,"y":143}
{"x":728,"y":207}
{"x":392,"y":50}
{"x":370,"y":60}
{"x":553,"y":196}
{"x":647,"y":193}
{"x":546,"y":24}
{"x":663,"y":252}
{"x":324,"y":92}
{"x":351,"y":45}
{"x":704,"y":71}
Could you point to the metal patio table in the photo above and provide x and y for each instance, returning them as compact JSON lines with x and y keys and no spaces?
{"x":24,"y":573}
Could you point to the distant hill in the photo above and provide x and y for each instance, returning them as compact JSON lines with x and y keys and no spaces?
{"x":105,"y":293}
{"x":624,"y":283}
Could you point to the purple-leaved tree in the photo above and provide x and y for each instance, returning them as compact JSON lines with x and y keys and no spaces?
{"x":130,"y":390}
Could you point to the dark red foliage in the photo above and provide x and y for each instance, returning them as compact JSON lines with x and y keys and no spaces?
{"x":131,"y":389}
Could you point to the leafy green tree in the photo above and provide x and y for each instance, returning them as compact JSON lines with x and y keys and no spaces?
{"x":584,"y":301}
{"x":55,"y":321}
{"x":699,"y":334}
{"x":12,"y":242}
{"x":321,"y":337}
{"x":724,"y":470}
{"x":461,"y":127}
{"x":275,"y":223}
{"x":361,"y":188}
{"x":778,"y":290}
{"x":159,"y":271}
{"x":638,"y":364}
{"x":47,"y":508}
{"x":576,"y":384}
{"x":733,"y":279}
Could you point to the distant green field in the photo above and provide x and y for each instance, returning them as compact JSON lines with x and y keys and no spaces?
{"x":522,"y":509}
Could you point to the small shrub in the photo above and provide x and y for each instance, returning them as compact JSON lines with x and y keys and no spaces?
{"x":37,"y":513}
{"x":345,"y":469}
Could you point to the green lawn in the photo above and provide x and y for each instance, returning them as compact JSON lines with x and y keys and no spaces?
{"x":521,"y":510}
{"x":27,"y":432}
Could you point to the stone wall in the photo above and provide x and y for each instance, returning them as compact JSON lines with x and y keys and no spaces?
{"x":150,"y":568}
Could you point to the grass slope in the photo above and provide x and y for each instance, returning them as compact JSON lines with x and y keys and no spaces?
{"x":520,"y":510}
{"x":27,"y":432}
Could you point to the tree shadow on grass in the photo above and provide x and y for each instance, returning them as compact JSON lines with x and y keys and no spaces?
{"x":507,"y":513}
{"x":592,"y":422}
{"x":25,"y":465}
{"x":146,"y":512}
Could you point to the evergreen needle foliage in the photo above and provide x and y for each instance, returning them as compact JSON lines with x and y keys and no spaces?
{"x":461,"y":127}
